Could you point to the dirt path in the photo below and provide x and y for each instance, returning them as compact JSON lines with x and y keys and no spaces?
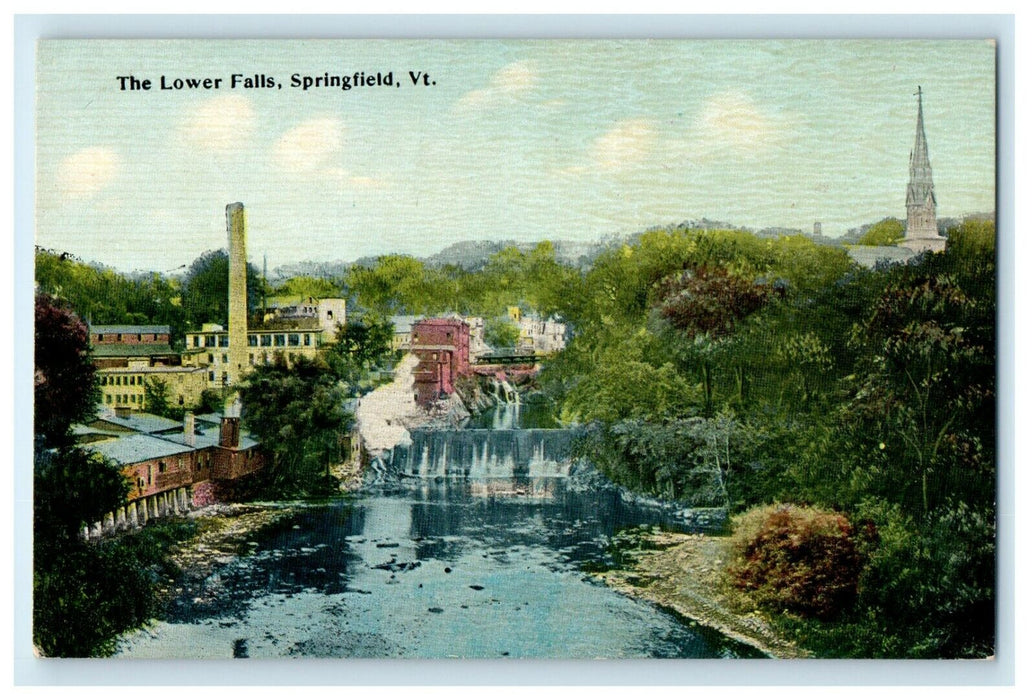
{"x":684,"y":573}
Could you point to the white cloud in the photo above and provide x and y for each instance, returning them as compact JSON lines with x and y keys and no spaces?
{"x":85,"y":173}
{"x":309,"y":147}
{"x":731,"y":120}
{"x":509,"y":83}
{"x":628,"y":143}
{"x":220,"y":124}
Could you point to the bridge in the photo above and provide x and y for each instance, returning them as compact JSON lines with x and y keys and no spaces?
{"x":506,"y":357}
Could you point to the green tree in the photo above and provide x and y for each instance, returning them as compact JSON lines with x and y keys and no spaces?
{"x":886,"y":232}
{"x":363,"y":344}
{"x":103,"y":296}
{"x":298,"y":415}
{"x":501,"y":332}
{"x":156,"y":399}
{"x":206,"y":288}
{"x":394,"y":284}
{"x":306,"y":286}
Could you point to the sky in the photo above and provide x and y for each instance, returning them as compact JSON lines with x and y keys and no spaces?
{"x":510,"y":140}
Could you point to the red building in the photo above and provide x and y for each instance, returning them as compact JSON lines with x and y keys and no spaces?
{"x":441,"y":346}
{"x":175,"y":462}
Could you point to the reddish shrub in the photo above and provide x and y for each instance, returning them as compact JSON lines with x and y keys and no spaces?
{"x":794,"y":558}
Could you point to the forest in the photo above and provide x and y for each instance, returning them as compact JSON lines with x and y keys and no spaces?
{"x":719,"y":368}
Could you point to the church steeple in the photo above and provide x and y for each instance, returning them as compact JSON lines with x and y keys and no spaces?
{"x":921,"y":232}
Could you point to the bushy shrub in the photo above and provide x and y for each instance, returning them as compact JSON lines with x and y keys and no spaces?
{"x":797,"y":559}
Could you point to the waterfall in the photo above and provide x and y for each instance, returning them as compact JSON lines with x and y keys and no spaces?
{"x":485,"y":454}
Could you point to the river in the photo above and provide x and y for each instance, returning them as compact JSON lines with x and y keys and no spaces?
{"x":443,"y":558}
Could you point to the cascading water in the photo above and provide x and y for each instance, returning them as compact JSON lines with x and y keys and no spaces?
{"x":479,"y":454}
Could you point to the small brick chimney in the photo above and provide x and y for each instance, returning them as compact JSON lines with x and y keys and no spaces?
{"x":230,"y":432}
{"x":188,"y":429}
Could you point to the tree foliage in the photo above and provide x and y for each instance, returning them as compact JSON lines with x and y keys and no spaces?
{"x":886,"y":232}
{"x":64,"y":383}
{"x":869,"y":393}
{"x":791,"y":558}
{"x":400,"y":284}
{"x":102,"y":296}
{"x":708,"y":301}
{"x":363,"y":344}
{"x":298,"y":414}
{"x":306,"y":286}
{"x":206,"y":288}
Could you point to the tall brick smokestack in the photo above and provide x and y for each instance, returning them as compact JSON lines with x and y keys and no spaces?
{"x":237,"y":315}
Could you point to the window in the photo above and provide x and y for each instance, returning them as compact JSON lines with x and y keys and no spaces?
{"x":224,"y":341}
{"x":306,"y":340}
{"x":278,"y":340}
{"x":99,"y":337}
{"x":224,"y":358}
{"x":140,"y":337}
{"x":118,"y":337}
{"x":107,"y":398}
{"x":252,"y":341}
{"x":266,"y":341}
{"x":197,"y":341}
{"x":133,"y":380}
{"x":330,"y":315}
{"x":210,"y":341}
{"x":212,"y":376}
{"x":212,"y":358}
{"x":293,"y":339}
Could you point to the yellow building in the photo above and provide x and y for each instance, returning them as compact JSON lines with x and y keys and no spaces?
{"x":210,"y":349}
{"x":123,"y":387}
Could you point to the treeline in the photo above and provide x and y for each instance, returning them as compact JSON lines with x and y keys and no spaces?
{"x":400,"y":284}
{"x":721,"y":368}
{"x":100,"y":295}
{"x":103,"y":296}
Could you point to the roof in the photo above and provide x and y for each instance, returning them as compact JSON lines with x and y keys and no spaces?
{"x":142,"y":422}
{"x":871,"y":255}
{"x":80,"y":430}
{"x":134,"y":350}
{"x":213,"y":418}
{"x":246,"y":441}
{"x":443,"y":321}
{"x":137,"y":447}
{"x":162,"y":369}
{"x":128,"y":329}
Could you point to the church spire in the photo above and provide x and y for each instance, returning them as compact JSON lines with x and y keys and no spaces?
{"x":921,"y":232}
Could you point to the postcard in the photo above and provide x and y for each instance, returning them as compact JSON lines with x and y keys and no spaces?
{"x":515,"y":349}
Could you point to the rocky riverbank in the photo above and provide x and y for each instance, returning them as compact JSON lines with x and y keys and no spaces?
{"x":225,"y":531}
{"x":684,"y":573}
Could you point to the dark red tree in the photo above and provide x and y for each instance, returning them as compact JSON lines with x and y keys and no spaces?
{"x":65,"y":384}
{"x":708,"y":300}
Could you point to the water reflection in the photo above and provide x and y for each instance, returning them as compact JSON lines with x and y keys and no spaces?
{"x":430,"y":569}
